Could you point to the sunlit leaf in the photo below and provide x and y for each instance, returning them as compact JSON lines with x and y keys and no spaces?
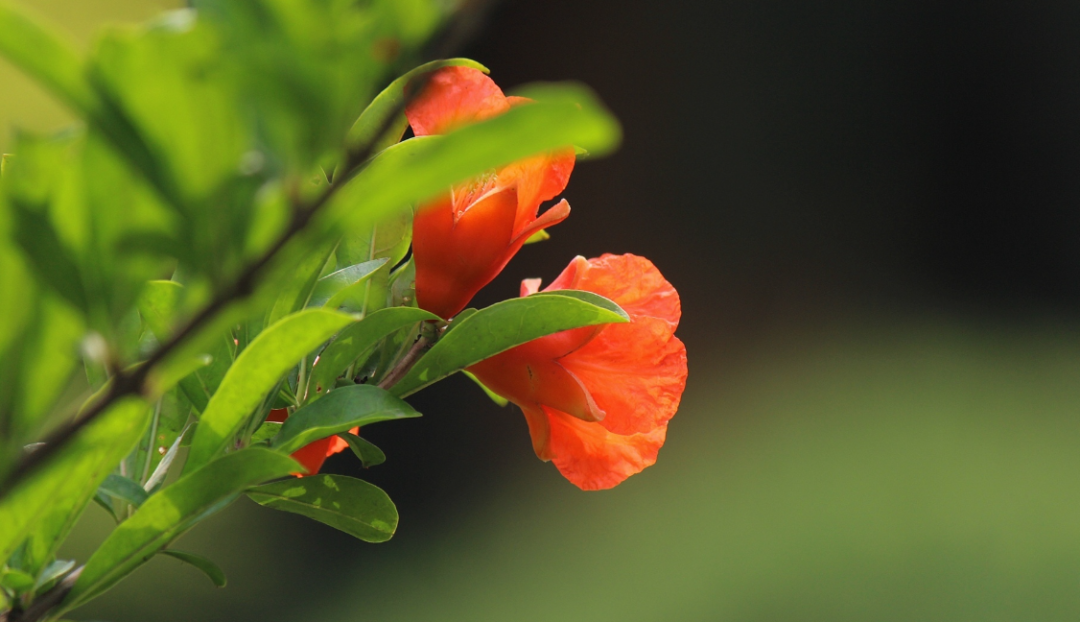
{"x":255,"y":372}
{"x":340,"y":410}
{"x":169,"y":513}
{"x":351,"y":505}
{"x":505,"y":325}
{"x":333,"y":289}
{"x":50,"y":501}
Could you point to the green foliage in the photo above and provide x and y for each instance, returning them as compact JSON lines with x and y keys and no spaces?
{"x":340,"y":410}
{"x":504,"y":325}
{"x":208,"y":568}
{"x":354,"y":506}
{"x":225,"y":233}
{"x":255,"y":372}
{"x":168,"y":514}
{"x":365,"y":450}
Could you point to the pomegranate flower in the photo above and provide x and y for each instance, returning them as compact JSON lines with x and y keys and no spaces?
{"x":464,"y":238}
{"x":597,"y":400}
{"x":314,"y":454}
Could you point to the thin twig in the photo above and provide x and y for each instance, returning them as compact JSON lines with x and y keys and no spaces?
{"x":405,"y":363}
{"x":41,"y":607}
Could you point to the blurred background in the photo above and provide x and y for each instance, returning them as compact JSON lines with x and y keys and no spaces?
{"x":871,"y":211}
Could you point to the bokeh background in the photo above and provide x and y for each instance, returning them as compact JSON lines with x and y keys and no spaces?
{"x":872,"y":213}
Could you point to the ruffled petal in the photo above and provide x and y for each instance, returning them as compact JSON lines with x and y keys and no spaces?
{"x":553,"y":216}
{"x":631,"y":281}
{"x":593,"y":458}
{"x":635,"y":373}
{"x":452,"y":97}
{"x":538,"y":178}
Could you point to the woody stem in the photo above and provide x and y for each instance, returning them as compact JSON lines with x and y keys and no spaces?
{"x":405,"y":363}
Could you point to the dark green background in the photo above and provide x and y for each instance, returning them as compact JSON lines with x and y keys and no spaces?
{"x":871,"y":213}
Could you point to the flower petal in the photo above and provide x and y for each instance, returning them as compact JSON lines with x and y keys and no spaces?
{"x":313,"y":455}
{"x":631,"y":281}
{"x":593,"y":458}
{"x":635,"y":373}
{"x":456,"y":257}
{"x":452,"y":97}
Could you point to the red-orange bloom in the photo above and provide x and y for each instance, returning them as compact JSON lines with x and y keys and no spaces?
{"x":314,"y":454}
{"x":597,"y":400}
{"x":464,"y":238}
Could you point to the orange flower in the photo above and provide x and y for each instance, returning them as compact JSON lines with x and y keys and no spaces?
{"x":313,"y":454}
{"x":464,"y":238}
{"x":598,"y":399}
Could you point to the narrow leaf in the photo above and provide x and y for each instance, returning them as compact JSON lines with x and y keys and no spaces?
{"x":369,"y":454}
{"x":171,"y":512}
{"x":209,"y":568}
{"x":504,"y":325}
{"x":354,"y":506}
{"x":49,"y":502}
{"x":342,"y":409}
{"x":333,"y":288}
{"x":122,"y":488}
{"x":354,"y":340}
{"x":255,"y":372}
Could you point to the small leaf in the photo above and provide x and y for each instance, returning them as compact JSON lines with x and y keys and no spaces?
{"x":53,"y":572}
{"x":342,"y":409}
{"x":540,"y":236}
{"x":119,"y":487}
{"x":495,"y":397}
{"x":334,"y":288}
{"x":169,"y":513}
{"x":162,"y":467}
{"x":504,"y":325}
{"x":351,"y":505}
{"x":354,"y":340}
{"x":16,"y":580}
{"x":255,"y":372}
{"x":266,"y":431}
{"x":157,"y":305}
{"x":369,"y":454}
{"x":209,"y":568}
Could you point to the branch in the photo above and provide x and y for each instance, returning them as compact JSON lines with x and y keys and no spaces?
{"x":406,"y":363}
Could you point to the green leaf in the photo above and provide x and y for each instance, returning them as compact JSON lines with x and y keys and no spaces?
{"x":255,"y":372}
{"x":419,"y":168}
{"x":369,"y":454}
{"x":340,"y":410}
{"x":297,"y":291}
{"x":504,"y":325}
{"x":122,"y":488}
{"x":495,"y":397}
{"x":53,"y":572}
{"x":157,"y":305}
{"x":389,"y":102}
{"x":209,"y":568}
{"x":267,"y":431}
{"x":43,"y":55}
{"x":167,"y":514}
{"x":333,"y":289}
{"x":16,"y":580}
{"x":354,"y":340}
{"x":351,"y":505}
{"x":48,"y":503}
